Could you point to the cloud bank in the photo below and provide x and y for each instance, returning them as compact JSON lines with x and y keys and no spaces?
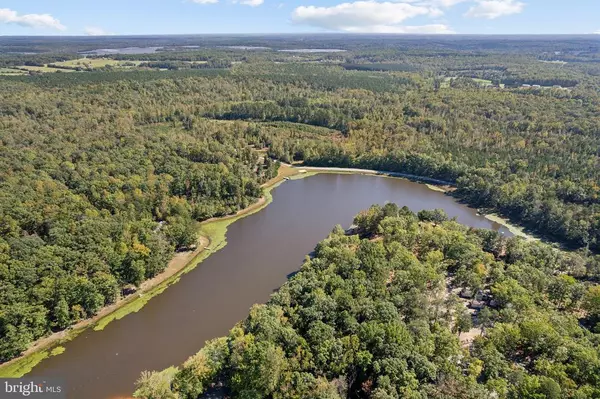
{"x":372,"y":16}
{"x":39,"y":21}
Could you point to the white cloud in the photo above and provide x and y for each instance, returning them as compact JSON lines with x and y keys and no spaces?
{"x":42,"y":21}
{"x":96,"y":31}
{"x":492,"y":9}
{"x":251,"y":3}
{"x":597,"y":32}
{"x":447,"y":3}
{"x":432,"y":3}
{"x":205,"y":1}
{"x":369,"y":16}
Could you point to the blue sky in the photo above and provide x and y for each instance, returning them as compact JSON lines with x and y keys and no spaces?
{"x":81,"y":17}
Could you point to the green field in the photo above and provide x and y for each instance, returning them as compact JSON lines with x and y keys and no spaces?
{"x":11,"y":72}
{"x":91,"y":63}
{"x":71,"y":65}
{"x":482,"y":82}
{"x":44,"y":69}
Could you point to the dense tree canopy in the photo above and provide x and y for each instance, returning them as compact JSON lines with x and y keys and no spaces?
{"x":92,"y":200}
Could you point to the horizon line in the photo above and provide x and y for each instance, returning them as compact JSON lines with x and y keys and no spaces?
{"x":305,"y":34}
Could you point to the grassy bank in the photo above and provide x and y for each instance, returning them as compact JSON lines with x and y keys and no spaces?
{"x":24,"y":365}
{"x":516,"y":230}
{"x":439,"y":189}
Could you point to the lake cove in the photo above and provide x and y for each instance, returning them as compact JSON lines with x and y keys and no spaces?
{"x":263,"y":250}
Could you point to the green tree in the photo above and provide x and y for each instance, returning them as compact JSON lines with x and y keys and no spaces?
{"x":181,"y":232}
{"x":61,"y":314}
{"x":591,"y":303}
{"x":155,"y":385}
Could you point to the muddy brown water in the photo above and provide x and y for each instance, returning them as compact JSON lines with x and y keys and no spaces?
{"x":262,"y":251}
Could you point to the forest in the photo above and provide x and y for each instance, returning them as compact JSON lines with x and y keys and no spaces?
{"x":410,"y":306}
{"x":104,"y":173}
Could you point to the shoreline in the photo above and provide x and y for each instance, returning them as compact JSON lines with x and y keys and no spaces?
{"x":445,"y":185}
{"x":440,"y":186}
{"x":212,"y":238}
{"x":516,"y":230}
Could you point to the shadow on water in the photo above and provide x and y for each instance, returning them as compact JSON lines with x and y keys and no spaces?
{"x":289,"y":276}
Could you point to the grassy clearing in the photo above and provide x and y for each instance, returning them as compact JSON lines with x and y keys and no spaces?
{"x":482,"y":82}
{"x":92,"y":63}
{"x":85,"y":63}
{"x":88,"y":63}
{"x":44,"y":69}
{"x":11,"y":72}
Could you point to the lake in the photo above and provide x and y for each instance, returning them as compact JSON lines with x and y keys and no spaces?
{"x":126,"y":50}
{"x":246,"y":47}
{"x":313,"y":50}
{"x":262,"y":251}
